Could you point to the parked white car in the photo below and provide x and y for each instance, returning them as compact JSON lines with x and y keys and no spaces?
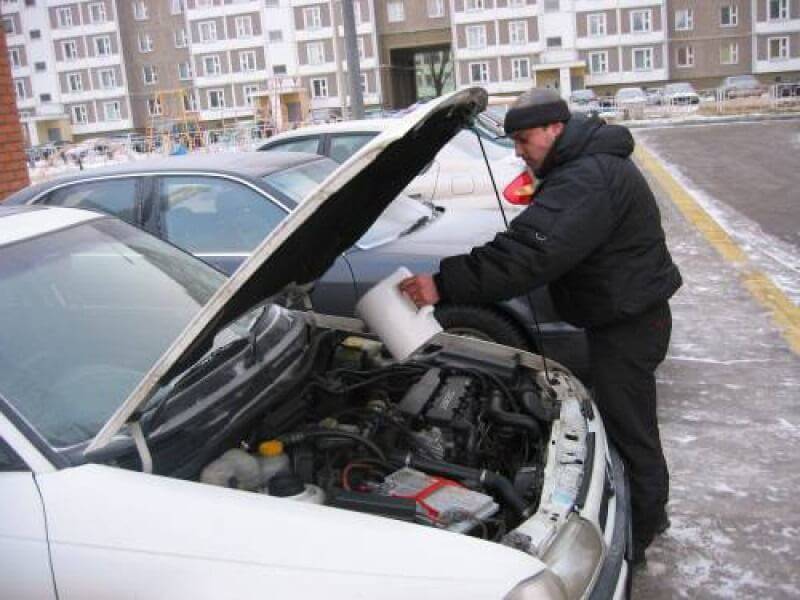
{"x":470,"y":471}
{"x":680,"y":94}
{"x":456,"y":178}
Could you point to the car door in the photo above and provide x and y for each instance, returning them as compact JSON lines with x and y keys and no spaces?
{"x":218,"y":219}
{"x":118,"y":196}
{"x":24,"y":558}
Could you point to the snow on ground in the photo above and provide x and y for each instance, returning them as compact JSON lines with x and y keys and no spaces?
{"x":775,"y":257}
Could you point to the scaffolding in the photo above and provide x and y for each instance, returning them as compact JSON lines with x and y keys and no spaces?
{"x":174,"y":120}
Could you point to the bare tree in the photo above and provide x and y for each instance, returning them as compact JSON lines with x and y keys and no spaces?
{"x":439,"y":73}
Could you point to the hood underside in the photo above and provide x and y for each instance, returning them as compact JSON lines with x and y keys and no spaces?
{"x":308,"y":241}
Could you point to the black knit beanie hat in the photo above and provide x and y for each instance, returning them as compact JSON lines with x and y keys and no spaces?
{"x":536,"y":108}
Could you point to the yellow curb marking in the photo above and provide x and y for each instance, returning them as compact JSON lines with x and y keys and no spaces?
{"x":784,"y":312}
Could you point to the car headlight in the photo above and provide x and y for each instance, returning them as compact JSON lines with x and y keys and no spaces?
{"x":544,"y":586}
{"x":576,"y":555}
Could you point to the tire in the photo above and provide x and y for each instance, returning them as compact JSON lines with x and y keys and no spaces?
{"x":481,"y":322}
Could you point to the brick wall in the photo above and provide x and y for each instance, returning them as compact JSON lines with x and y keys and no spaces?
{"x":13,"y":167}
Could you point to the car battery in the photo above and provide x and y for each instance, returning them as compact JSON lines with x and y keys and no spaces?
{"x":445,"y":503}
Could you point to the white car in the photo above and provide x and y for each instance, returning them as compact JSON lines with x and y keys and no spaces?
{"x":680,"y":94}
{"x":273,"y":453}
{"x":456,"y":178}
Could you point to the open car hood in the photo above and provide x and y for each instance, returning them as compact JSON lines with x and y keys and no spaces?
{"x":307,"y":242}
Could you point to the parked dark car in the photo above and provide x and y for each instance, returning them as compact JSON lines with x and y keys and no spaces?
{"x":220,"y":207}
{"x":741,"y":86}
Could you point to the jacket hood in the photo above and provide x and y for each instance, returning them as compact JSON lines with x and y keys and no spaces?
{"x":586,"y":135}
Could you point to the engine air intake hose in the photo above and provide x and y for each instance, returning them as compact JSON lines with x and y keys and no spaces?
{"x":490,"y":480}
{"x":498,"y":415}
{"x":532,"y":403}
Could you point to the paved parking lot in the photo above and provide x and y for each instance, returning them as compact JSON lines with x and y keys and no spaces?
{"x":730,"y":386}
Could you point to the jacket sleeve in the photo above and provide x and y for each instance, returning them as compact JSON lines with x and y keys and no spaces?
{"x":571,"y":215}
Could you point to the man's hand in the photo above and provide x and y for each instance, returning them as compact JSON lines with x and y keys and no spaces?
{"x":421,"y":289}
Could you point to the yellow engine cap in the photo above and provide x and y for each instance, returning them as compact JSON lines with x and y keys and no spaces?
{"x":270,"y":448}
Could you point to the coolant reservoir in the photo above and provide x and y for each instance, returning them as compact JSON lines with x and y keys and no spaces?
{"x":234,"y":469}
{"x":271,"y":461}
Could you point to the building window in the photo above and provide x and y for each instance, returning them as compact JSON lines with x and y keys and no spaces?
{"x":312,"y":17}
{"x":74,"y":82}
{"x":140,"y":12}
{"x":97,"y":12}
{"x":102,"y":46}
{"x":518,"y":32}
{"x":778,"y":48}
{"x":79,"y":114}
{"x":154,"y":107}
{"x":112,"y":111}
{"x":247,"y":61}
{"x":176,"y":7}
{"x":395,"y":11}
{"x":10,"y":26}
{"x":35,"y":34}
{"x":279,"y":69}
{"x":40,"y":67}
{"x":435,"y":8}
{"x":520,"y":69}
{"x":207,"y":31}
{"x":476,"y":36}
{"x":184,"y":71}
{"x":684,"y":19}
{"x":315,"y":52}
{"x":642,"y":59}
{"x":216,"y":99}
{"x":554,"y":42}
{"x":275,"y":36}
{"x":729,"y":16}
{"x":181,"y":39}
{"x":69,"y":50}
{"x":190,"y":103}
{"x":244,"y":26}
{"x":684,"y":56}
{"x":597,"y":24}
{"x":598,"y":62}
{"x":150,"y":74}
{"x":777,"y":10}
{"x":479,"y":72}
{"x":518,"y":3}
{"x":249,"y":92}
{"x":552,"y":5}
{"x":145,"y":42}
{"x":19,"y":87}
{"x":204,"y":3}
{"x":641,"y":21}
{"x":364,"y":84}
{"x":473,"y":5}
{"x":319,"y":88}
{"x":64,"y":16}
{"x":107,"y":78}
{"x":362,"y":52}
{"x":14,"y":58}
{"x":212,"y":65}
{"x":45,"y":98}
{"x":729,"y":54}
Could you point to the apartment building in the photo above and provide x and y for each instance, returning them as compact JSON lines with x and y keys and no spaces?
{"x":68,"y":67}
{"x":86,"y":67}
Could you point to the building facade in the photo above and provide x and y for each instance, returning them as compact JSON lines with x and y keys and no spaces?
{"x":90,"y":67}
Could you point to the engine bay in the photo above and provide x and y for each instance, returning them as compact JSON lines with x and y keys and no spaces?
{"x":443,"y":441}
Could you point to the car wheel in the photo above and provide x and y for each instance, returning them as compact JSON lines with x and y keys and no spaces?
{"x":482,"y":323}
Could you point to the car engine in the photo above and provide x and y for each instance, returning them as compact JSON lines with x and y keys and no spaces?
{"x":458,"y":445}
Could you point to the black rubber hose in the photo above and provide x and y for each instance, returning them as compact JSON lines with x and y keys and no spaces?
{"x":301,"y":436}
{"x":490,"y":480}
{"x":532,"y":403}
{"x":496,"y":414}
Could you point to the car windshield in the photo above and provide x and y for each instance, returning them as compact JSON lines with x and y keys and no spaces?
{"x":743,"y":80}
{"x":400,"y":217}
{"x":466,"y":142}
{"x":674,"y":88}
{"x":629,"y":93}
{"x":84,"y":314}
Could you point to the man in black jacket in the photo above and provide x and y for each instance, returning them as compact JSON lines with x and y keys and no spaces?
{"x":593,"y":233}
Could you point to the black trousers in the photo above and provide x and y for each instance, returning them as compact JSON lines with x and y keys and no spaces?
{"x":624,"y":359}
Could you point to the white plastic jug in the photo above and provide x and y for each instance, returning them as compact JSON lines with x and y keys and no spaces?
{"x":395,"y":318}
